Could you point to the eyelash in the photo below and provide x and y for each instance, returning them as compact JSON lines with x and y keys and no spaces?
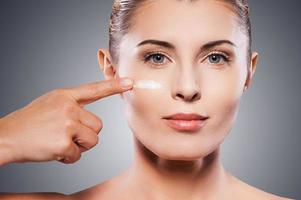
{"x":224,"y":56}
{"x":148,"y":56}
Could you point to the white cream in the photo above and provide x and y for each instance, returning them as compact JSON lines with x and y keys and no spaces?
{"x":147,"y":84}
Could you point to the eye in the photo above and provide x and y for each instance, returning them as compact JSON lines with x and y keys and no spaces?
{"x":156,"y":58}
{"x":217,"y":58}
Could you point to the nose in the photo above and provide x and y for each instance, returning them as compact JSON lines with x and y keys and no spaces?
{"x":186,"y":87}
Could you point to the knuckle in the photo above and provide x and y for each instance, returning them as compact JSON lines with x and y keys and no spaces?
{"x":68,"y":110}
{"x":77,"y":157}
{"x":94,"y":141}
{"x":98,"y":125}
{"x":74,"y":158}
{"x":58,"y":92}
{"x":63,"y":146}
{"x":68,"y":126}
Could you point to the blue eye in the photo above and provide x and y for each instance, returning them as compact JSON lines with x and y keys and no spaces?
{"x":216,"y":58}
{"x":157,"y":58}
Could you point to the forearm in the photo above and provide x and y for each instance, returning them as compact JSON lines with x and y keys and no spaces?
{"x":33,"y":196}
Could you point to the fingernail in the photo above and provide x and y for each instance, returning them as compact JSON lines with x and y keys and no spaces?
{"x":126,"y":82}
{"x":59,"y":158}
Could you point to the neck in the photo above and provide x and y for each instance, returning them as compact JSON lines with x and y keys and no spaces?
{"x":157,"y":178}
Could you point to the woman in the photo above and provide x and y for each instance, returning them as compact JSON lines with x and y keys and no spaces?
{"x":199,"y":54}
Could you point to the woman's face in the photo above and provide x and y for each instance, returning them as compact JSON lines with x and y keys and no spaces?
{"x":198,"y":74}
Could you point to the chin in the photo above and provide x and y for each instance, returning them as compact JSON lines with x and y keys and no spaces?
{"x":181,"y":152}
{"x":179,"y":157}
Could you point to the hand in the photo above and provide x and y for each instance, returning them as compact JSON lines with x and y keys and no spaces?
{"x":55,"y":126}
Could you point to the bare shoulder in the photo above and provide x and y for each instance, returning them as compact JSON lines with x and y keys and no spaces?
{"x":248,"y":192}
{"x":105,"y":190}
{"x":260,"y":194}
{"x":99,"y":191}
{"x":34,"y":196}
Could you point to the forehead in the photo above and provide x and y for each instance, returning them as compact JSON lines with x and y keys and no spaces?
{"x":185,"y":21}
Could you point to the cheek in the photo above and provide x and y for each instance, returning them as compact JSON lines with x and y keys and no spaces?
{"x":141,"y":110}
{"x":222,"y":93}
{"x":140,"y":102}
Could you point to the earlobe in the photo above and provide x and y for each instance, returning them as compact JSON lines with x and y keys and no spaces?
{"x":105,"y":64}
{"x":251,"y":70}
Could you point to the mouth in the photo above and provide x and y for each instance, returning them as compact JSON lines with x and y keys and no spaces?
{"x":187,"y":122}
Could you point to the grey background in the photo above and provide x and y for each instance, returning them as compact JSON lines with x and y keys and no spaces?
{"x":49,"y":44}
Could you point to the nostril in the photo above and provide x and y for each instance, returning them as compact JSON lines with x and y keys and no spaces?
{"x":194,"y":97}
{"x":181,"y":96}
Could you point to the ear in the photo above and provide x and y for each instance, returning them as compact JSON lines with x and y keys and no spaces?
{"x":251,"y":70}
{"x":106,"y":64}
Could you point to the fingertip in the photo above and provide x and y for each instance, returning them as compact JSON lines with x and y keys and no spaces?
{"x":126,"y":83}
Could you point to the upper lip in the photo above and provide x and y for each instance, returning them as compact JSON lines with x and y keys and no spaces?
{"x":186,"y":116}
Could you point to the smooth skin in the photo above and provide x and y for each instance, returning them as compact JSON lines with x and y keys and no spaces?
{"x":171,"y":165}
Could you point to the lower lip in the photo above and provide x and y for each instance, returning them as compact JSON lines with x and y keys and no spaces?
{"x":185,"y":125}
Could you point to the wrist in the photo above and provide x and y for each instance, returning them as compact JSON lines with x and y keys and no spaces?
{"x":5,"y":148}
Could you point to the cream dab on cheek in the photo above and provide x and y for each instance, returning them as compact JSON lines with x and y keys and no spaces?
{"x":147,"y":84}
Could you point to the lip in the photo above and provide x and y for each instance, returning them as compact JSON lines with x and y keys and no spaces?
{"x":188,"y":122}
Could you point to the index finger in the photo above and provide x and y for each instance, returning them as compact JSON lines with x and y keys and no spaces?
{"x":91,"y":92}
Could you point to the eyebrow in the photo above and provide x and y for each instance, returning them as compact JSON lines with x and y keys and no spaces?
{"x":157,"y":42}
{"x":168,"y":45}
